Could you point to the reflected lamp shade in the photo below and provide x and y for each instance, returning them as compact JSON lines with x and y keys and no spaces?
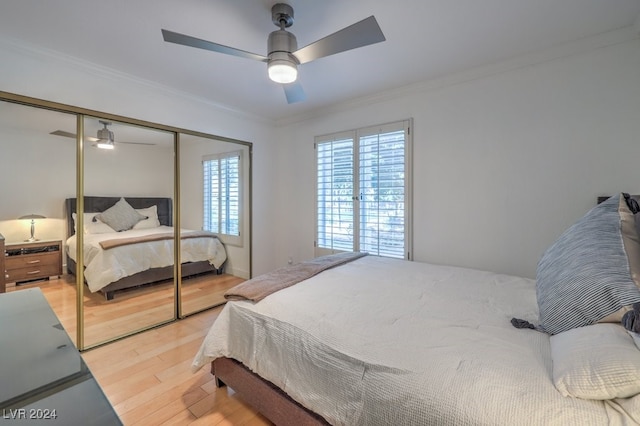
{"x":33,"y":218}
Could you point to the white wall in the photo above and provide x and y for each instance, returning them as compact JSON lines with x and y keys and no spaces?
{"x":50,"y":76}
{"x":503,"y":162}
{"x":37,"y":174}
{"x":129,"y":170}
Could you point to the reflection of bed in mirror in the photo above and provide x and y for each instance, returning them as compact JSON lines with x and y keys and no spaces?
{"x":139,"y":256}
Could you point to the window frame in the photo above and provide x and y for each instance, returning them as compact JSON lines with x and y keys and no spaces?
{"x":356,"y":137}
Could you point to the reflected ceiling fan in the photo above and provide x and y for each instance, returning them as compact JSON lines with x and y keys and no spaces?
{"x":105,"y":139}
{"x":283,"y":55}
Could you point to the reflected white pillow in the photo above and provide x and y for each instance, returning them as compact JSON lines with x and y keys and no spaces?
{"x":599,"y":361}
{"x":151,"y":221}
{"x":92,"y":226}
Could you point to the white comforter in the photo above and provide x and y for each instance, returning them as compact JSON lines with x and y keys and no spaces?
{"x":103,"y":267}
{"x":388,"y":342}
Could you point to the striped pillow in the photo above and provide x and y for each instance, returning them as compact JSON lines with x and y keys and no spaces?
{"x":585,"y":275}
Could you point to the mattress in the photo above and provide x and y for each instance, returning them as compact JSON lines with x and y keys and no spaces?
{"x":103,"y":267}
{"x":383,"y":341}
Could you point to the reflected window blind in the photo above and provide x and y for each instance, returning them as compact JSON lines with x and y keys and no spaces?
{"x":221,"y":198}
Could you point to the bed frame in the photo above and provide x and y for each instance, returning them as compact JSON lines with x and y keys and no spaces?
{"x":165,"y":215}
{"x":264,"y":396}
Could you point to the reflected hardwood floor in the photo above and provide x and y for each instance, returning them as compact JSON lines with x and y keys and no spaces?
{"x":147,"y":377}
{"x":131,"y":309}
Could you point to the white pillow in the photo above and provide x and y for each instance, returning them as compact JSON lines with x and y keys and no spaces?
{"x":91,"y":226}
{"x":151,"y":221}
{"x":87,"y":218}
{"x":599,"y":361}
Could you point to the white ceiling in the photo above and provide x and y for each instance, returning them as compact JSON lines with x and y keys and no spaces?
{"x":426,"y":39}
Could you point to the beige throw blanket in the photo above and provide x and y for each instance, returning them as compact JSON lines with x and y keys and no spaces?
{"x":117,"y":242}
{"x":261,"y":286}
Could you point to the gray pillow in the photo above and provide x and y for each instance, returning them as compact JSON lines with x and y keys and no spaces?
{"x":121,"y":216}
{"x":586,"y":275}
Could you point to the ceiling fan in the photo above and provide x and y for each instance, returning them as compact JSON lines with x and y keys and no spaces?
{"x":283,"y":55}
{"x":105,"y":138}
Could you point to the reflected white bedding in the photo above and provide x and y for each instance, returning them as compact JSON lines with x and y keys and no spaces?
{"x":380,"y":341}
{"x":103,"y":267}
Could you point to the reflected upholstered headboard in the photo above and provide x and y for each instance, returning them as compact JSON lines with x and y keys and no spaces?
{"x":100,"y":204}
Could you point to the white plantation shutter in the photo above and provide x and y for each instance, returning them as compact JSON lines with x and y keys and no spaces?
{"x":364,"y":191}
{"x":221,"y":174}
{"x":335,"y":160}
{"x":382,"y":185}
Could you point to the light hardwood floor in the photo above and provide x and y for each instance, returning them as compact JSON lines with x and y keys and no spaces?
{"x":147,"y":376}
{"x":148,"y":380}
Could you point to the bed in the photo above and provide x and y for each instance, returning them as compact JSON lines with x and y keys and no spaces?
{"x":432,"y":344}
{"x":141,"y":255}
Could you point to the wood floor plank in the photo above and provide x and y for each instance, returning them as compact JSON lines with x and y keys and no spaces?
{"x":182,"y":418}
{"x":223,"y":407}
{"x":122,"y":394}
{"x":175,"y":369}
{"x":167,"y":405}
{"x":117,"y":377}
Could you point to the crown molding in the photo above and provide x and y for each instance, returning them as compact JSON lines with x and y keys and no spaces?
{"x":106,"y":73}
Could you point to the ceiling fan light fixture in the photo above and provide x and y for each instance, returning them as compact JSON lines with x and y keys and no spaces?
{"x":105,"y":144}
{"x":105,"y":137}
{"x":283,"y":71}
{"x":282,"y":65}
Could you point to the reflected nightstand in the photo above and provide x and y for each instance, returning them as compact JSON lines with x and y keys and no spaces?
{"x":31,"y":261}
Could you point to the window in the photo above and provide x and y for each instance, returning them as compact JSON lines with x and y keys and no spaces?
{"x":363,"y":191}
{"x":221,"y":173}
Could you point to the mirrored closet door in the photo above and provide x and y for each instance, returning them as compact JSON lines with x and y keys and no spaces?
{"x":215,"y":178}
{"x":128,"y":222}
{"x":125,"y":191}
{"x":37,"y":171}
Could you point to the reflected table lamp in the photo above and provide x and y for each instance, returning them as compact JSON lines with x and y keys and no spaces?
{"x":33,"y":218}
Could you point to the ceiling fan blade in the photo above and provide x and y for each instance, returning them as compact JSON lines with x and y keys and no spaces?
{"x":360,"y":34}
{"x":71,"y":135}
{"x":185,"y":40}
{"x":135,"y":143}
{"x":294,"y":93}
{"x":92,"y":139}
{"x":63,"y":133}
